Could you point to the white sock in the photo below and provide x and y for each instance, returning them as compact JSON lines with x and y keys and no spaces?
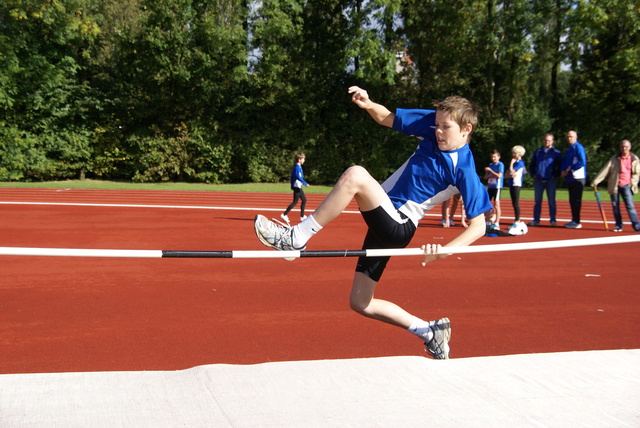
{"x":421,"y":329}
{"x":303,"y":231}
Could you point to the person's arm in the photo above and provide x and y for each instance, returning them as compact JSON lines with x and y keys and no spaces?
{"x":511,"y":172}
{"x":557,"y":163}
{"x":581,"y":154}
{"x":378,"y":112}
{"x":300,"y":175}
{"x":477,"y":228}
{"x":635,"y":171}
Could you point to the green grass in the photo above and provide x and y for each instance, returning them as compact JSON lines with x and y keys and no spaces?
{"x":562,"y":194}
{"x":117,"y":185}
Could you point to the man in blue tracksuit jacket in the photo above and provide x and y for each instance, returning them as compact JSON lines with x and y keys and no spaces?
{"x":574,"y":171}
{"x":545,"y":169}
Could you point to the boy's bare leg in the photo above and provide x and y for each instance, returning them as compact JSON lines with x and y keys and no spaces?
{"x":356,"y":183}
{"x":435,"y":334}
{"x":363,"y":302}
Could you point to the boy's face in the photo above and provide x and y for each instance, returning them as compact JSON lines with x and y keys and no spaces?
{"x":448,"y":132}
{"x":495,"y":157}
{"x":516,"y":156}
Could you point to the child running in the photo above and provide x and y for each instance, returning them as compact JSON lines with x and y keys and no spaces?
{"x":441,"y":166}
{"x":297,"y":181}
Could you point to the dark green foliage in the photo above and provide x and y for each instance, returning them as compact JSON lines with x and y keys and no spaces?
{"x":229,"y":90}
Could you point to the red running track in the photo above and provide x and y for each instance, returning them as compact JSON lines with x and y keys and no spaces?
{"x":91,"y":314}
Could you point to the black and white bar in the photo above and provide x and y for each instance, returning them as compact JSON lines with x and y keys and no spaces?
{"x":270,"y":254}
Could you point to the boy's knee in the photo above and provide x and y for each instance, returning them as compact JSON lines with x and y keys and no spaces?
{"x":354,"y":172}
{"x":359,"y":307}
{"x":359,"y":303}
{"x":353,"y":176}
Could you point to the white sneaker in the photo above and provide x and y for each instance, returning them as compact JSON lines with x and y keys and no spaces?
{"x":285,"y":218}
{"x":274,"y":235}
{"x":438,"y":347}
{"x":303,"y":218}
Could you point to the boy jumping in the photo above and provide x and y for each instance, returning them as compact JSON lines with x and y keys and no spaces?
{"x":441,"y":166}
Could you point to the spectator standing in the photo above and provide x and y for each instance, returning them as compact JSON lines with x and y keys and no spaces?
{"x":516,"y":174}
{"x":574,"y":171}
{"x":494,"y":174}
{"x":623,"y":172}
{"x":544,"y":167}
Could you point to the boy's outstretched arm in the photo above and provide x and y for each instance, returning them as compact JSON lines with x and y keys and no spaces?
{"x":378,"y":112}
{"x":477,"y":229}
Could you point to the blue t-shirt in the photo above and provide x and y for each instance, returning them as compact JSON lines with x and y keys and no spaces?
{"x":516,"y":180}
{"x":495,"y":182}
{"x":431,"y":176}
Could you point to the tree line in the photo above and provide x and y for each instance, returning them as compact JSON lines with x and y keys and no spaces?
{"x":229,"y":90}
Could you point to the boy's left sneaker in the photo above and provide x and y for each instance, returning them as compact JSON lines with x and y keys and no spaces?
{"x":438,"y":346}
{"x":274,"y":235}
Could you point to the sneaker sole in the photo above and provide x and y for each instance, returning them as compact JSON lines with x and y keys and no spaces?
{"x":258,"y":234}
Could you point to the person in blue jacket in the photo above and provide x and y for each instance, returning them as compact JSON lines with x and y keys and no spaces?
{"x":544,"y":167}
{"x":574,"y":171}
{"x":441,"y":166}
{"x":297,"y":181}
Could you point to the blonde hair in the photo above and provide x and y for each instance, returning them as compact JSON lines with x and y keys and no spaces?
{"x":462,"y":111}
{"x":300,"y":156}
{"x":518,"y":150}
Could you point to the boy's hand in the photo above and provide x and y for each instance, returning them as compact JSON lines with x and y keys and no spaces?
{"x":432,"y":253}
{"x":359,"y":96}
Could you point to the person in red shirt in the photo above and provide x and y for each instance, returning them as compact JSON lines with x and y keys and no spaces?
{"x":623,"y":171}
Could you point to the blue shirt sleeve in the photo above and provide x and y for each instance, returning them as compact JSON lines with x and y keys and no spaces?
{"x":416,"y":122}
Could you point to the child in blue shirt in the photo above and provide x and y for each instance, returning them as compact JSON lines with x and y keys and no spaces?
{"x":297,"y":181}
{"x":516,"y":175}
{"x":441,"y":166}
{"x":494,"y":174}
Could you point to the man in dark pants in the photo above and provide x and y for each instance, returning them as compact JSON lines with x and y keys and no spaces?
{"x":545,"y":169}
{"x":574,"y":171}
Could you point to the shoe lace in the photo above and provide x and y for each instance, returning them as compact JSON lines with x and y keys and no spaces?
{"x":287,"y":225}
{"x":282,"y":234}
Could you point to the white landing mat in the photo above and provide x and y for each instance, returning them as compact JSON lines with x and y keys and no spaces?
{"x":574,"y":389}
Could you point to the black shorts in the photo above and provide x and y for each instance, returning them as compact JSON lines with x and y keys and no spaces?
{"x":494,"y":193}
{"x":384,"y":232}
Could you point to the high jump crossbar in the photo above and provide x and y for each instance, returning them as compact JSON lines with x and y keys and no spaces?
{"x":270,"y":254}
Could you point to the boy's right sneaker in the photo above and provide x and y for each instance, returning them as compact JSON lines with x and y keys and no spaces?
{"x":438,"y":347}
{"x":274,"y":235}
{"x":285,"y":218}
{"x":533,"y":223}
